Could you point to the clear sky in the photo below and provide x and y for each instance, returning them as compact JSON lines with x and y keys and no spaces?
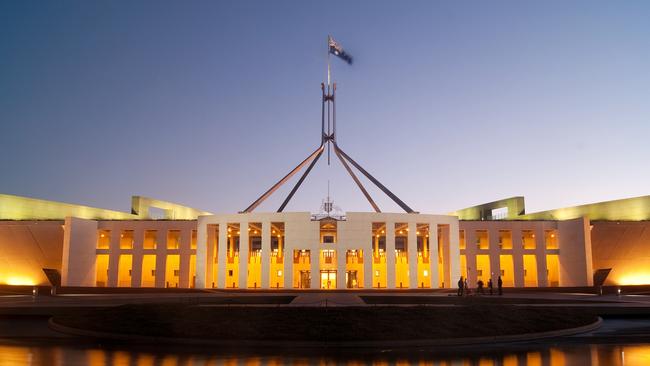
{"x":208,"y":103}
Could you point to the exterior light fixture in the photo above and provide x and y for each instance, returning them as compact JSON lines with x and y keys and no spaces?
{"x":102,"y":235}
{"x":279,"y":273}
{"x":425,"y":273}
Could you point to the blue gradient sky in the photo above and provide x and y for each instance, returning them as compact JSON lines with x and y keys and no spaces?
{"x":209,"y":103}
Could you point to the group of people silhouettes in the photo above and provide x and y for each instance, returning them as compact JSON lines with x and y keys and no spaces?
{"x":463,"y":288}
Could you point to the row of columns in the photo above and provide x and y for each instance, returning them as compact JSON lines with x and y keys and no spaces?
{"x":517,"y":252}
{"x":205,"y":265}
{"x":138,"y":252}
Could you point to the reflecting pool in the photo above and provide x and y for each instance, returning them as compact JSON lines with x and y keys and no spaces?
{"x":41,"y":353}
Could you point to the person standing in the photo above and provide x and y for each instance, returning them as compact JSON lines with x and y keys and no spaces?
{"x":466,"y":287}
{"x":500,"y":286}
{"x":490,"y":286}
{"x":461,"y":286}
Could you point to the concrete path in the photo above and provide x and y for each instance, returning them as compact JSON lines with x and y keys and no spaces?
{"x":327,"y":299}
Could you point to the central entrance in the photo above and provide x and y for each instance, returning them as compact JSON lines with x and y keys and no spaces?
{"x":351,"y":279}
{"x":327,"y":279}
{"x":305,"y":279}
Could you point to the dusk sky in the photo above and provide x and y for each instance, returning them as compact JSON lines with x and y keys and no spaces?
{"x":206,"y":103}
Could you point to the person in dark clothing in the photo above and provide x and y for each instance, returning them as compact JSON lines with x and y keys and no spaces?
{"x":461,"y":286}
{"x":490,"y":287}
{"x":479,"y":287}
{"x":500,"y":285}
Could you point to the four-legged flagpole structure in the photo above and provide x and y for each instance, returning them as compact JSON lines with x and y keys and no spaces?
{"x":328,"y":137}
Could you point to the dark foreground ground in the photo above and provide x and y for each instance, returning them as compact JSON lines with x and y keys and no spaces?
{"x":365,"y":323}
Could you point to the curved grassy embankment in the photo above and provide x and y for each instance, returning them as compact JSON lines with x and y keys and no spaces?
{"x":377,"y":323}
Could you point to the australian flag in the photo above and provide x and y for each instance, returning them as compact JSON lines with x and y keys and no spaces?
{"x":336,"y":49}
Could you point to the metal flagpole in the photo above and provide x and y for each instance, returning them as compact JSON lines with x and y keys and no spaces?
{"x":329,"y":137}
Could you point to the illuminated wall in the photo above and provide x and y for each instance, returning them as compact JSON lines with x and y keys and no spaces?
{"x":101,"y":279}
{"x":507,"y":270}
{"x":623,"y":246}
{"x":124,"y":270}
{"x":148,"y":270}
{"x":26,"y":247}
{"x":172,"y":271}
{"x":26,"y":208}
{"x":530,"y":270}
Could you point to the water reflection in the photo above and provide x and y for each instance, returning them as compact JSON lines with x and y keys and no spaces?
{"x":569,"y":355}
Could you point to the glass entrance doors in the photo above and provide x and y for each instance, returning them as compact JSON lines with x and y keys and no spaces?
{"x":327,"y":279}
{"x":305,"y":279}
{"x":351,"y":279}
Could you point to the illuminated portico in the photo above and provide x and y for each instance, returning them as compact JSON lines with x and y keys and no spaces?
{"x":306,"y":253}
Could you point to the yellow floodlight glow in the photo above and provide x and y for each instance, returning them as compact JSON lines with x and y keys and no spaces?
{"x":639,"y":278}
{"x":19,"y":281}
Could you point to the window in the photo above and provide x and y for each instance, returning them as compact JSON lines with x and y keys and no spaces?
{"x":505,"y":239}
{"x":193,"y":242}
{"x":328,"y":255}
{"x":150,"y":241}
{"x":173,"y":239}
{"x":103,"y":239}
{"x":461,"y":240}
{"x":550,"y":239}
{"x":482,"y":241}
{"x":328,"y":239}
{"x":499,"y":213}
{"x":126,"y":239}
{"x":528,"y":239}
{"x":230,"y":272}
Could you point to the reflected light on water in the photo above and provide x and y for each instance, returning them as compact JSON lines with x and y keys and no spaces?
{"x":65,"y":355}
